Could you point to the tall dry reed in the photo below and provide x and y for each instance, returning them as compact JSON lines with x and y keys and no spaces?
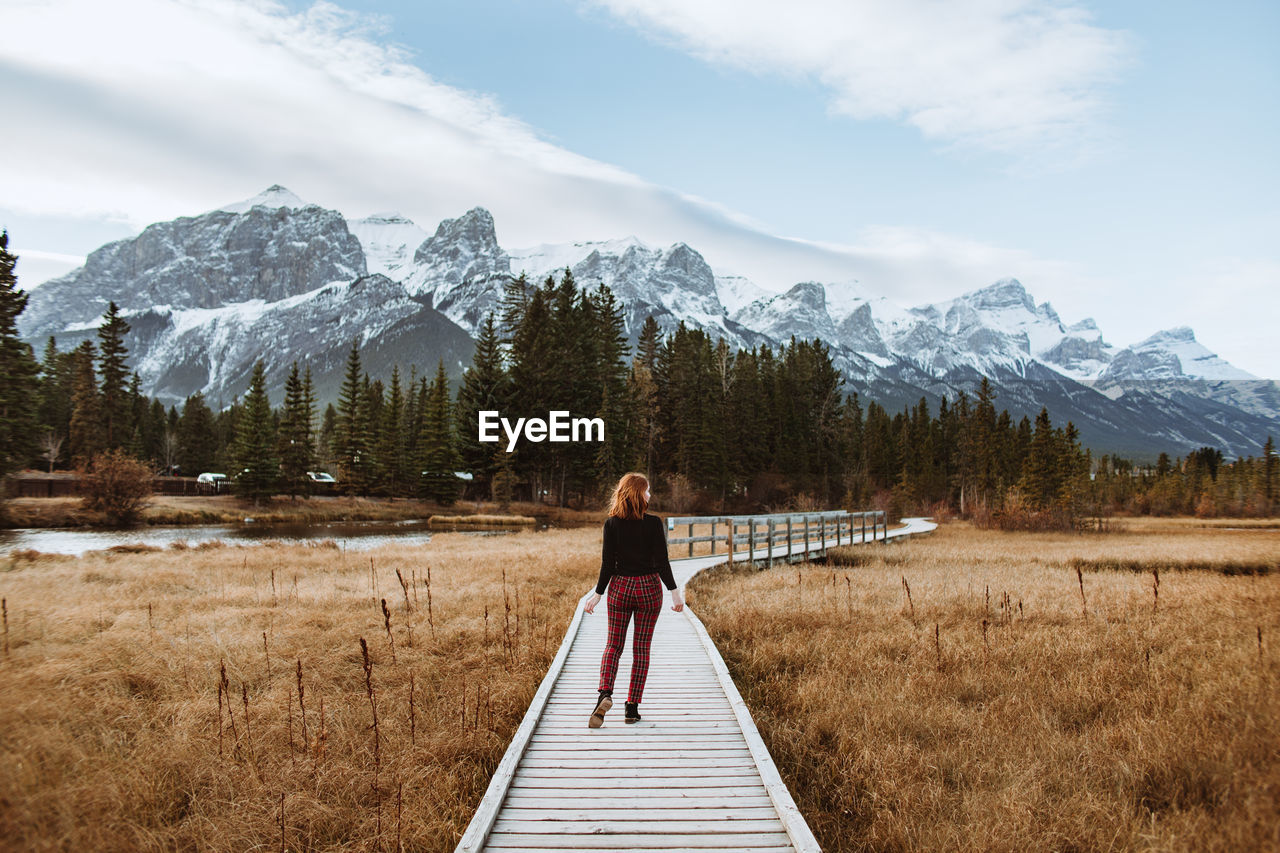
{"x":117,"y":737}
{"x":1000,"y":717}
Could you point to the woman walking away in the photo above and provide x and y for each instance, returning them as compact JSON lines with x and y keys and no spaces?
{"x":633,"y":567}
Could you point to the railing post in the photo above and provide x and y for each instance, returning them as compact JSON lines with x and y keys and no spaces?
{"x":751,"y":540}
{"x":806,"y":537}
{"x":733,"y":530}
{"x":864,"y":527}
{"x":713,"y":538}
{"x":769,"y":542}
{"x":790,"y":549}
{"x":691,"y":538}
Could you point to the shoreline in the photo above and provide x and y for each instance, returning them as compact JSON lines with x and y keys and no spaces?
{"x":181,"y":511}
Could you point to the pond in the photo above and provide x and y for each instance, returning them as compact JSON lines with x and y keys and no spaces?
{"x":352,"y":535}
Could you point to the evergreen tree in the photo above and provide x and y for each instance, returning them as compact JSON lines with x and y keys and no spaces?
{"x":438,"y":457}
{"x":18,"y":371}
{"x":1270,"y":472}
{"x":112,"y":355}
{"x":351,"y":439}
{"x":297,"y":446}
{"x":484,"y":388}
{"x":85,"y":434}
{"x":650,"y":340}
{"x":1042,"y":476}
{"x":391,"y":439}
{"x":57,"y":383}
{"x":257,"y":465}
{"x":327,"y":442}
{"x":197,"y":439}
{"x":512,"y":307}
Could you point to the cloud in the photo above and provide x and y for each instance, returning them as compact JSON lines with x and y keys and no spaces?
{"x":1006,"y":75}
{"x":145,"y":110}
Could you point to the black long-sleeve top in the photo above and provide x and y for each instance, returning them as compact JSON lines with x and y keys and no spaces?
{"x":634,"y":547}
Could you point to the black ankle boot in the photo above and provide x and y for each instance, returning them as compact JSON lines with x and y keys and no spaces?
{"x":603,"y":704}
{"x":633,"y":713}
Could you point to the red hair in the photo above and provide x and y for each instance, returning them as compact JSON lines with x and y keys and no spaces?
{"x":628,"y":497}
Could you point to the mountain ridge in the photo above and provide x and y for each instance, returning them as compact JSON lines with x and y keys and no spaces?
{"x":205,"y":291}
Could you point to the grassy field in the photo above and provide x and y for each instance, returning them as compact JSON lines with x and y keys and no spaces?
{"x":228,"y":509}
{"x":116,"y":734}
{"x":993,"y":708}
{"x":984,"y":691}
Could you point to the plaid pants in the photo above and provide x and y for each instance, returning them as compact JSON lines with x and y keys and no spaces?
{"x":641,"y":596}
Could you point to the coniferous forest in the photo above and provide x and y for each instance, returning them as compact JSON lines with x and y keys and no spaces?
{"x":717,"y":430}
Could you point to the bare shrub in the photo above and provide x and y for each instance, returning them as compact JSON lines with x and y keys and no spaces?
{"x":117,"y":485}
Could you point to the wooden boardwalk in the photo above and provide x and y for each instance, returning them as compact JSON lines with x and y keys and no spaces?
{"x":692,"y":775}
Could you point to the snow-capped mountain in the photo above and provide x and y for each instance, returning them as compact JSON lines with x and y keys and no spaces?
{"x":276,"y":278}
{"x":389,"y":241}
{"x":1171,"y":354}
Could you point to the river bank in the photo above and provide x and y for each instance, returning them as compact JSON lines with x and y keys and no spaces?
{"x":171,"y":510}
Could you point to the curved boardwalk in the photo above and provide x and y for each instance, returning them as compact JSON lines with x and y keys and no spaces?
{"x":692,"y":775}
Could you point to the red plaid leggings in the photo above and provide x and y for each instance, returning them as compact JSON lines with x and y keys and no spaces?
{"x":641,"y":596}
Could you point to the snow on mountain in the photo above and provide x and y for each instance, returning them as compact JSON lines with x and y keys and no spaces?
{"x":801,"y":311}
{"x":461,"y":268}
{"x":1171,"y":354}
{"x":273,"y":278}
{"x":389,"y":241}
{"x":737,"y":292}
{"x":274,"y":196}
{"x":204,"y":261}
{"x":671,"y":284}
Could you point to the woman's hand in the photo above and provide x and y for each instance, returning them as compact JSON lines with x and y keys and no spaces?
{"x":677,"y":600}
{"x":590,"y":606}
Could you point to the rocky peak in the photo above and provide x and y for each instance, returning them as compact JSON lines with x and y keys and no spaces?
{"x":1005,"y":293}
{"x":272,"y":197}
{"x":462,"y":251}
{"x":205,"y":261}
{"x":1179,"y":335}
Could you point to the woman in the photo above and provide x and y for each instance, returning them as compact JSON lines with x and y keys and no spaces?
{"x":633,"y":561}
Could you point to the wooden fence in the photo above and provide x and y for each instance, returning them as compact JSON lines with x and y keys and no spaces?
{"x":764,"y":532}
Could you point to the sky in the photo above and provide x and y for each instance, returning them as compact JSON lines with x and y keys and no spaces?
{"x":1118,"y":158}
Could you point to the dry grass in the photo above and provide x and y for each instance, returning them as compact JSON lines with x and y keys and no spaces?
{"x":483,"y":520}
{"x":228,"y":509}
{"x":119,"y":733}
{"x":959,"y":693}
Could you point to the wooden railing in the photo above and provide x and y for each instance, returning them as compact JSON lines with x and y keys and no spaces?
{"x":796,"y":529}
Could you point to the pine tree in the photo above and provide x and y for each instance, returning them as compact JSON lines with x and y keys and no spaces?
{"x":351,"y":439}
{"x":484,"y":388}
{"x":112,"y":355}
{"x":18,"y":371}
{"x":297,"y":450}
{"x":438,"y":457}
{"x":197,"y":438}
{"x":327,"y":441}
{"x":257,"y":465}
{"x":57,"y":382}
{"x":1042,"y":475}
{"x":512,"y":307}
{"x":375,"y":407}
{"x":650,"y":339}
{"x":1270,"y":472}
{"x":391,"y":439}
{"x":85,"y":434}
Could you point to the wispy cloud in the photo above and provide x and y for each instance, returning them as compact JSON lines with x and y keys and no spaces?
{"x":1011,"y":76}
{"x":150,"y":109}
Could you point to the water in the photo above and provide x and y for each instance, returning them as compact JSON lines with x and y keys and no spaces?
{"x":352,"y":535}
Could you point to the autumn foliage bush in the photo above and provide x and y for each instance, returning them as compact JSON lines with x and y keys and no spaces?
{"x":116,"y":485}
